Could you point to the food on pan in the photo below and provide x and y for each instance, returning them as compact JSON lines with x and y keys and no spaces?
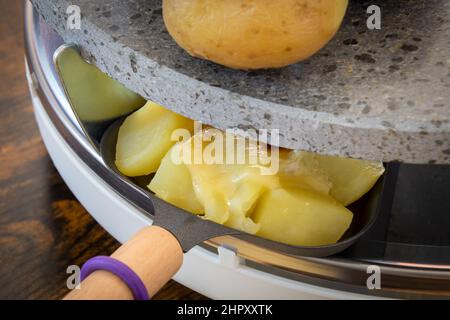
{"x":228,"y":192}
{"x":301,"y":217}
{"x":253,"y":34}
{"x":350,"y":178}
{"x":145,"y":137}
{"x":173,"y":183}
{"x":346,"y":180}
{"x":301,"y":170}
{"x":302,"y":203}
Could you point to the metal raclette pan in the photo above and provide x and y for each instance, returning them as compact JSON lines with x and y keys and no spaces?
{"x":159,"y":248}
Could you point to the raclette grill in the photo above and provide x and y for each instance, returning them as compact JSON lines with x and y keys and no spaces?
{"x":374,"y":113}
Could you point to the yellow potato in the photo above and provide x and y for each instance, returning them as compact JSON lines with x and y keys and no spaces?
{"x":225,"y":193}
{"x":303,"y":204}
{"x":253,"y":34}
{"x":145,"y":137}
{"x":302,"y":170}
{"x":301,"y":217}
{"x":172,"y":183}
{"x":245,"y":197}
{"x":345,"y":179}
{"x":228,"y":192}
{"x":94,"y":95}
{"x":350,"y":178}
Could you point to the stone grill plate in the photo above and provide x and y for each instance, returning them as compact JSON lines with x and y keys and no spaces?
{"x":372,"y":94}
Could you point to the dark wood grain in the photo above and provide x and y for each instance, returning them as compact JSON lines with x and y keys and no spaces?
{"x":43,"y":228}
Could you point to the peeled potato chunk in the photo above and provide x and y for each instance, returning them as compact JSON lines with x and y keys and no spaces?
{"x":228,"y":192}
{"x":241,"y":205}
{"x":253,"y":34}
{"x":302,"y":170}
{"x":225,"y":178}
{"x":301,"y":217}
{"x":93,"y":94}
{"x":173,"y":183}
{"x":345,"y":179}
{"x":350,"y":178}
{"x":145,"y":137}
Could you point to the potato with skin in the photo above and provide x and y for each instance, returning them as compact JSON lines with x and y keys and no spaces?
{"x":253,"y":34}
{"x":301,"y":217}
{"x":145,"y":137}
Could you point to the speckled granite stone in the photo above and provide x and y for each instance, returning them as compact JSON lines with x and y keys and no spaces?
{"x":381,"y":94}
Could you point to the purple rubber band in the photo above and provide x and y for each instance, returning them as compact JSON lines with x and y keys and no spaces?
{"x":121,"y":270}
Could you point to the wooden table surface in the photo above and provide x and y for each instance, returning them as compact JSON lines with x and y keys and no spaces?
{"x":43,"y":228}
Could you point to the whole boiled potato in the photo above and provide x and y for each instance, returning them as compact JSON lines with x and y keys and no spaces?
{"x":253,"y":34}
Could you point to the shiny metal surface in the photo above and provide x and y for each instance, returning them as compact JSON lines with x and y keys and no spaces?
{"x":96,"y":99}
{"x":411,"y":280}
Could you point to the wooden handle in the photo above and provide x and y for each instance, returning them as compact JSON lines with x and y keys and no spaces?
{"x":153,"y":253}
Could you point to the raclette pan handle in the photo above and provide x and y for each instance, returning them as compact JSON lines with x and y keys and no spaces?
{"x":154,"y":254}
